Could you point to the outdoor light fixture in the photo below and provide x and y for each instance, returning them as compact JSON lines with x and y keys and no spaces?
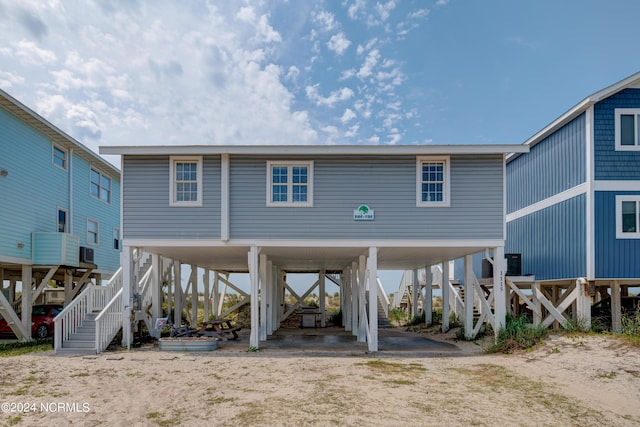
{"x":4,"y":172}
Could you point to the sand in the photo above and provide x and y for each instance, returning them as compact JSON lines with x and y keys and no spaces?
{"x":567,"y":381}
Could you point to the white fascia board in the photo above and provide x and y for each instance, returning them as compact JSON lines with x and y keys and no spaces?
{"x":315,"y":243}
{"x":15,"y":260}
{"x":293,"y":150}
{"x":578,"y":109}
{"x":549,"y":201}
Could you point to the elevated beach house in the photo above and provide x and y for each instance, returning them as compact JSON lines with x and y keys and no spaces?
{"x":59,"y":214}
{"x":341,"y":211}
{"x":573,"y":201}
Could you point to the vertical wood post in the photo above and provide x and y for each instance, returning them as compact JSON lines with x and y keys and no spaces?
{"x":499,"y":292}
{"x":345,"y":287}
{"x":126,"y":262}
{"x":468,"y":297}
{"x":616,"y":308}
{"x":156,"y":291}
{"x":321,"y":279}
{"x":355,"y":296}
{"x":27,"y":302}
{"x":372,"y":265}
{"x":427,"y":305}
{"x":177,"y":293}
{"x":207,"y":295}
{"x":255,"y":311}
{"x":216,"y":294}
{"x":193,"y":278}
{"x":362,"y":326}
{"x":535,"y":290}
{"x":415,"y":294}
{"x":264,"y":296}
{"x":444,"y":286}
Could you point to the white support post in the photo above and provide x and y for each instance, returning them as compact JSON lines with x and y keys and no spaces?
{"x":255,"y":311}
{"x":156,"y":291}
{"x":274,"y":304}
{"x":126,"y":262}
{"x":372,"y":266}
{"x":280,"y":299}
{"x":468,"y":297}
{"x":362,"y":271}
{"x":346,"y":306}
{"x":264,"y":296}
{"x":177,"y":293}
{"x":583,"y":304}
{"x":444,"y":287}
{"x":427,"y":305}
{"x":206,"y":276}
{"x":322,"y":297}
{"x":415,"y":294}
{"x":355,"y":296}
{"x":193,"y":278}
{"x":27,"y":302}
{"x":499,"y":291}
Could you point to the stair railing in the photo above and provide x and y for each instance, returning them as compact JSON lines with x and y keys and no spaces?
{"x":67,"y":322}
{"x":384,"y":299}
{"x":108,"y":322}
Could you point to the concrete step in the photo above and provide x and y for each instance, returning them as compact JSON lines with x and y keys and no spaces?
{"x":80,"y":344}
{"x":74,"y":351}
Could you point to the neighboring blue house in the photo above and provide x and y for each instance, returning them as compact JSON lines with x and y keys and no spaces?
{"x":573,"y":201}
{"x":59,"y":212}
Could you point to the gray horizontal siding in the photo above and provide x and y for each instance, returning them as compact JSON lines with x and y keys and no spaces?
{"x":387,"y":185}
{"x":555,"y":164}
{"x":552,"y":241}
{"x":615,"y":258}
{"x":146,"y":210}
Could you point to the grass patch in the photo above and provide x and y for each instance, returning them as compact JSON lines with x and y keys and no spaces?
{"x":382,"y":366}
{"x":517,"y":335}
{"x":23,"y":347}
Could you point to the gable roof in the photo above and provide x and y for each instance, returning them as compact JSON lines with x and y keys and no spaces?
{"x":579,"y":108}
{"x":33,"y":119}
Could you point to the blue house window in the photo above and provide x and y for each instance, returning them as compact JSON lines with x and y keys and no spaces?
{"x":290,"y":183}
{"x":628,"y":217}
{"x":100,"y":186}
{"x":186,"y":181}
{"x":92,"y":232}
{"x":62,"y":221}
{"x":627,"y":126}
{"x":432,"y":181}
{"x":59,"y":157}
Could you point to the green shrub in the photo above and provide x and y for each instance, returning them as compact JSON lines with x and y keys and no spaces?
{"x":517,"y":335}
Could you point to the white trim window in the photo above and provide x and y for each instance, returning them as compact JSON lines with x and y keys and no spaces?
{"x":116,"y":239}
{"x":100,"y":186}
{"x":290,"y":183}
{"x":628,"y":217}
{"x":63,"y":221}
{"x":186,"y":181}
{"x":432,"y":181}
{"x":59,"y":156}
{"x":627,"y":128}
{"x":93,"y":232}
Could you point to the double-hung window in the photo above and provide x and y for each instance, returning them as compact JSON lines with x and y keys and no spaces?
{"x":186,"y":181}
{"x":59,"y":158}
{"x":116,"y":238}
{"x":627,"y":128}
{"x":628,"y":217}
{"x":62,"y":221}
{"x":92,"y":232}
{"x":432,"y":181}
{"x":290,"y":183}
{"x":100,"y":186}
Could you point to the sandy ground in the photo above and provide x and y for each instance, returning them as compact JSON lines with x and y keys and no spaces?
{"x":568,"y":381}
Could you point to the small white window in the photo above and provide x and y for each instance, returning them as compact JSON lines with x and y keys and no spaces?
{"x":92,"y":232}
{"x":186,"y":181}
{"x":290,"y":183}
{"x":100,"y":186}
{"x":627,"y":127}
{"x":59,"y":157}
{"x":432,"y":181}
{"x":628,"y":217}
{"x":116,"y":238}
{"x":63,"y":226}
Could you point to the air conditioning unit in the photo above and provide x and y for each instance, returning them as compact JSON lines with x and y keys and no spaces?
{"x":514,"y":266}
{"x":86,"y":254}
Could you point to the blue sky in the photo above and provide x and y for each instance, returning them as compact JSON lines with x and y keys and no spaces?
{"x":126,"y":72}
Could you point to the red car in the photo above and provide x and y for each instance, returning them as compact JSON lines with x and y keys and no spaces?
{"x":41,"y":321}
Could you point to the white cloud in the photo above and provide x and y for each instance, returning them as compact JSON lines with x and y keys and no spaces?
{"x":419,"y":14}
{"x":30,"y":53}
{"x":292,"y":73}
{"x":369,"y":64}
{"x":355,"y":8}
{"x":384,"y":9}
{"x":338,"y":43}
{"x":334,"y":97}
{"x":8,"y":79}
{"x":347,"y":116}
{"x":325,"y":19}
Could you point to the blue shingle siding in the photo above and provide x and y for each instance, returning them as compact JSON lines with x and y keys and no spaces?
{"x":386,"y":184}
{"x":615,"y":258}
{"x":552,"y":241}
{"x":147,"y":213}
{"x":555,"y":164}
{"x":609,"y":163}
